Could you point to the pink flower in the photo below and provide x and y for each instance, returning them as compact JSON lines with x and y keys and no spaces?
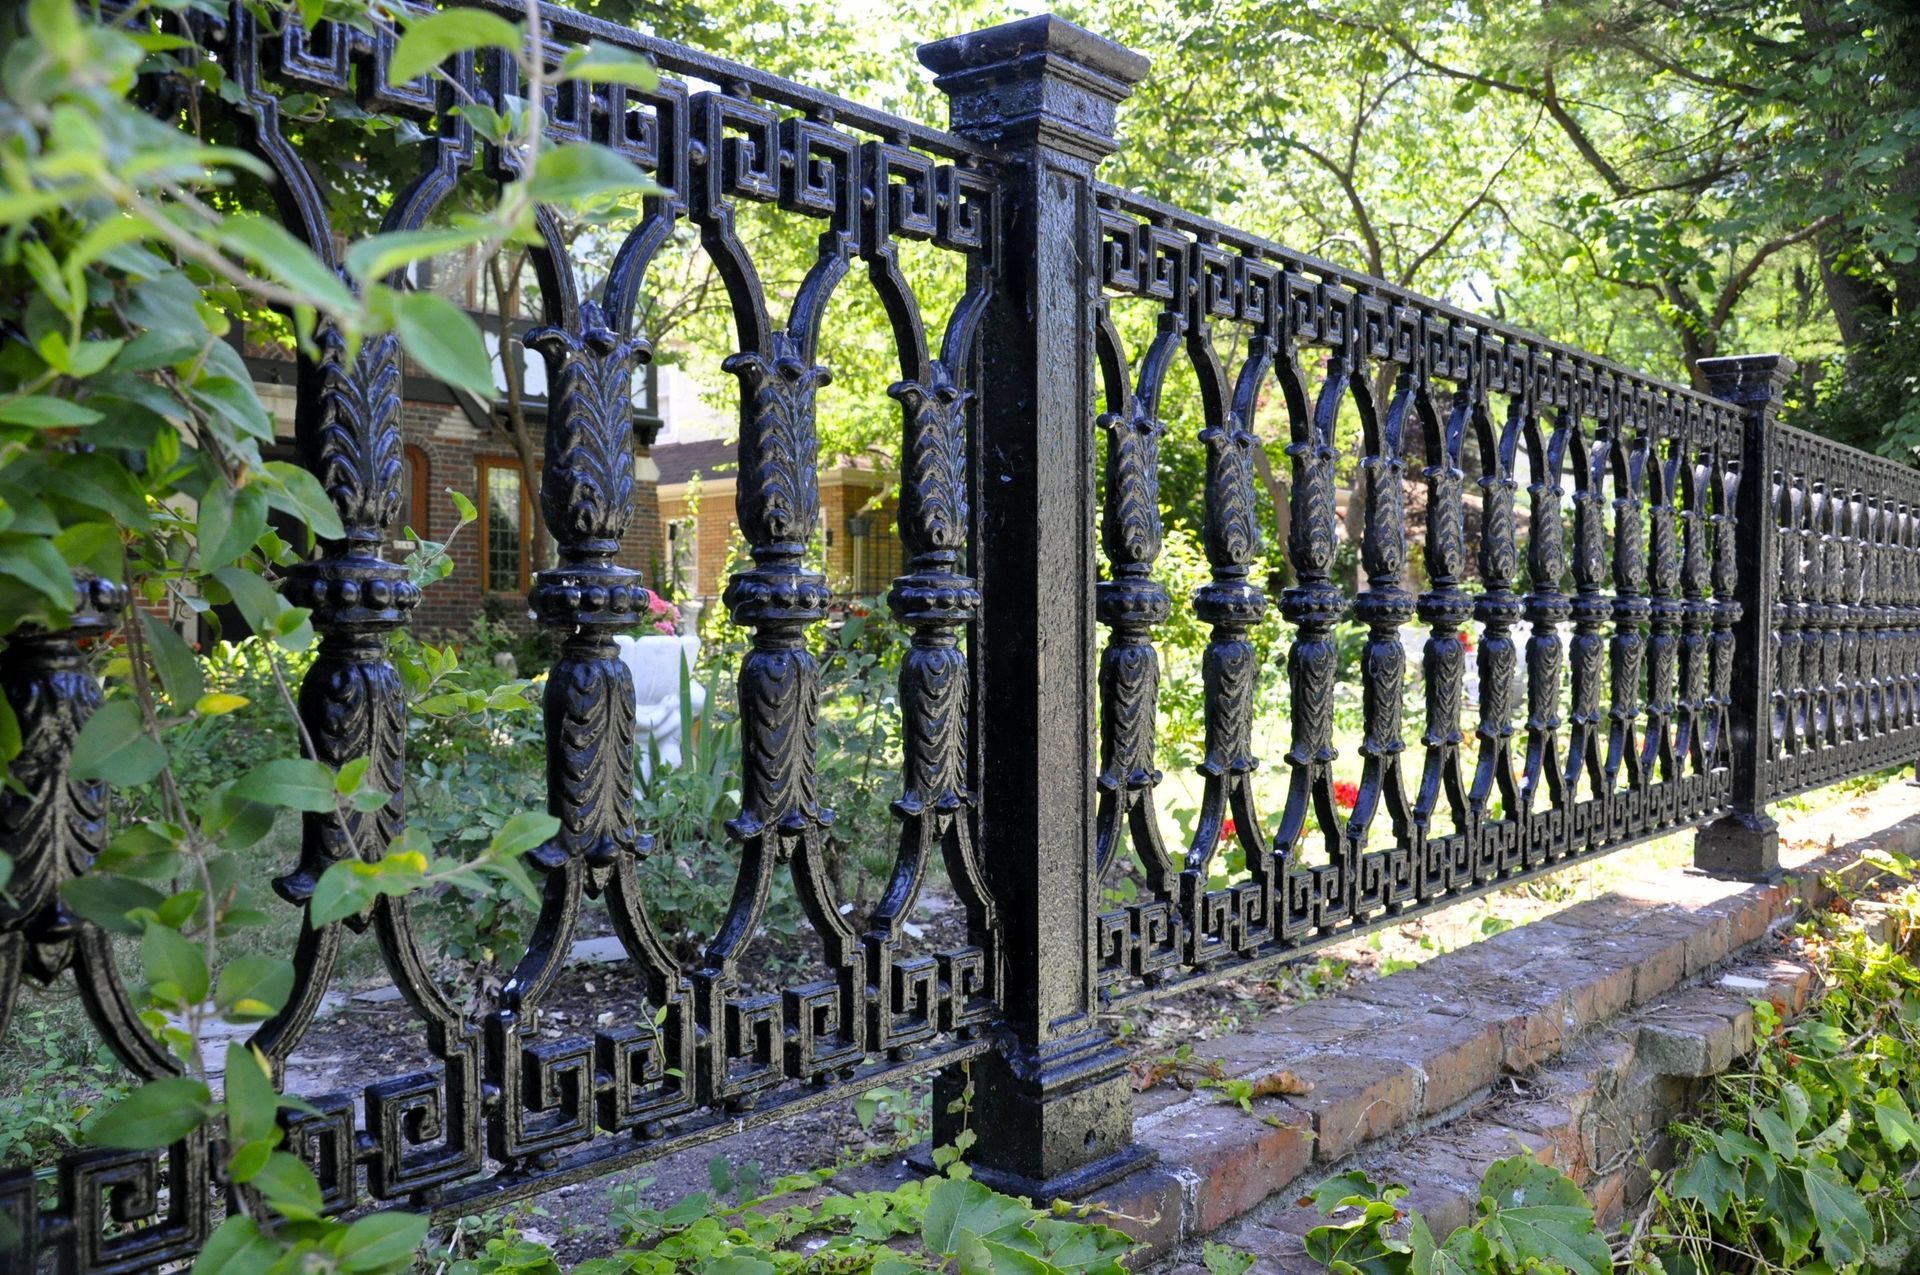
{"x":668,"y":615}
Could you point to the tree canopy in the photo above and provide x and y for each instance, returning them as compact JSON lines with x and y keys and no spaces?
{"x":1658,"y":180}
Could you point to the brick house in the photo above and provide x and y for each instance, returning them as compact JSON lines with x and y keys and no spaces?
{"x":457,"y":441}
{"x":860,"y":547}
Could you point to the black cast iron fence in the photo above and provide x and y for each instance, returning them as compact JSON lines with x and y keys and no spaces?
{"x":1706,"y":672}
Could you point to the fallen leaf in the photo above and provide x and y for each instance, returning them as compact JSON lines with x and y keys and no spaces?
{"x":1281,"y":1084}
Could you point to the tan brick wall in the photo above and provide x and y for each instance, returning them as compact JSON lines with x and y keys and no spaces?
{"x":843,"y":494}
{"x":454,"y":451}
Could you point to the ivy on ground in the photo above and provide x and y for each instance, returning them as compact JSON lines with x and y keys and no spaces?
{"x":1809,"y":1159}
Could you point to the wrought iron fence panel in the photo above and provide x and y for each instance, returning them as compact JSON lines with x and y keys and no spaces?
{"x":507,"y":1110}
{"x":1683,"y":610}
{"x":1846,"y":616}
{"x":1629,"y":481}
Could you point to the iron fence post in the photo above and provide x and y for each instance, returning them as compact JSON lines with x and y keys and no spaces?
{"x":1053,"y":1108}
{"x":1746,"y":841}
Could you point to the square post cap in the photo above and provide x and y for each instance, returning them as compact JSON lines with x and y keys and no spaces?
{"x":1040,"y":79}
{"x":1747,"y":379}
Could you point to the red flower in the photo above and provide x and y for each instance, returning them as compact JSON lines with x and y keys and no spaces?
{"x":1227,"y":830}
{"x":1346,"y":795}
{"x":1466,"y":642}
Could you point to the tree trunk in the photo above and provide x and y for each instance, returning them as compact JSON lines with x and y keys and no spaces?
{"x":506,"y":297}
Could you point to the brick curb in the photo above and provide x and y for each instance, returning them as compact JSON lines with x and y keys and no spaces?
{"x":1423,"y":1049}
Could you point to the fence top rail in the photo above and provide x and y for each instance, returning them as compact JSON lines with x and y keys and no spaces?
{"x":1825,"y":460}
{"x":564,"y":25}
{"x":1574,"y":361}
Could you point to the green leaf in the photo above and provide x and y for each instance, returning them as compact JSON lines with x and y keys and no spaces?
{"x":1774,"y":1130}
{"x":735,"y":1264}
{"x":1784,"y":1205}
{"x":374,"y":258}
{"x":237,"y":1248}
{"x":34,"y":562}
{"x":1222,"y":1260}
{"x":955,"y":1205}
{"x":157,"y":1114}
{"x":230,"y":522}
{"x":234,"y":821}
{"x":340,"y":892}
{"x":1846,"y":1229}
{"x":349,"y":886}
{"x":1536,"y":1214}
{"x":248,"y":1159}
{"x":583,"y":172}
{"x":1075,"y":1245}
{"x":107,"y":900}
{"x":94,"y":546}
{"x":253,"y":1107}
{"x":9,"y":731}
{"x":1895,"y":1120}
{"x":288,"y":1185}
{"x":1360,"y":1243}
{"x":383,"y":1241}
{"x":442,"y":338}
{"x":269,"y":247}
{"x":1794,"y":1103}
{"x":258,"y":601}
{"x":301,"y":495}
{"x":114,"y":746}
{"x":609,"y":64}
{"x":43,"y":411}
{"x":253,"y":987}
{"x":1466,"y":1251}
{"x":149,"y":851}
{"x":171,"y":959}
{"x":293,"y":783}
{"x":1353,"y":1188}
{"x":432,"y":40}
{"x":175,"y":661}
{"x":526,"y":830}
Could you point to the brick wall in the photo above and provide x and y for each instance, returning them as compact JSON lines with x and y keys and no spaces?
{"x":455,"y":451}
{"x":714,"y":532}
{"x":844,"y":493}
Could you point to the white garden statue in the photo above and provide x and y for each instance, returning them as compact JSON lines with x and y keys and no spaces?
{"x":655,"y":661}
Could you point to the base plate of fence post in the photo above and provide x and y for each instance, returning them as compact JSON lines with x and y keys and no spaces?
{"x":1742,"y":846}
{"x":1054,"y":1123}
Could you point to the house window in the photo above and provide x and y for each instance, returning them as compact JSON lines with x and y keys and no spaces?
{"x":683,"y":557}
{"x":415,"y":478}
{"x":506,"y":521}
{"x":874,"y":551}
